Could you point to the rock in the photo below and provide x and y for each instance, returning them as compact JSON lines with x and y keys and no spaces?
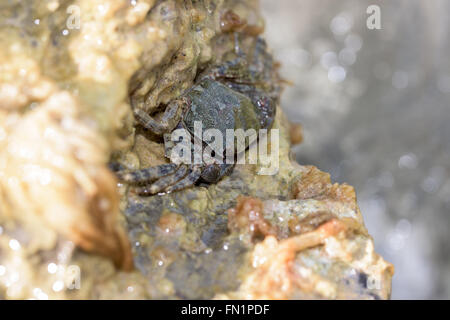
{"x":66,"y":97}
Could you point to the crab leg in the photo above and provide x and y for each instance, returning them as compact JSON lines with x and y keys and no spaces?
{"x":187,"y":181}
{"x":229,"y":70}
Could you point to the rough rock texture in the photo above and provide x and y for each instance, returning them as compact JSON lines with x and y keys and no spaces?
{"x":65,"y":112}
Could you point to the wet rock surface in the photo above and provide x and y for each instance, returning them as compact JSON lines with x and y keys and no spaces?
{"x":311,"y":241}
{"x":382,"y":125}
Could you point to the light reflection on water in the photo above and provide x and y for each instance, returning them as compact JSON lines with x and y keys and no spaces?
{"x":375,"y":109}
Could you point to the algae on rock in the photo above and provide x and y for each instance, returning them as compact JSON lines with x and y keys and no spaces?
{"x":65,"y":112}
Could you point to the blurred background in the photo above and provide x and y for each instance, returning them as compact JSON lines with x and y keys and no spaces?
{"x":375,"y":108}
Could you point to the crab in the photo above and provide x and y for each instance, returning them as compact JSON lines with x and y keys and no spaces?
{"x":238,"y":94}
